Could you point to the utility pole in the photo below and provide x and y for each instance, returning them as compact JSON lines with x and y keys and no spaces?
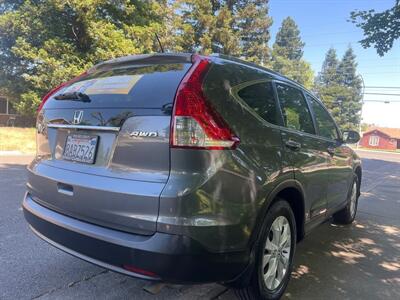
{"x":362,"y":104}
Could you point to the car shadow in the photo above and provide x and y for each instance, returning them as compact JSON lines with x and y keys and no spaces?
{"x":356,"y":261}
{"x":348,"y":262}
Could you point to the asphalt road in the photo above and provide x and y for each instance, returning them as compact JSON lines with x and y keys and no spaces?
{"x":361,"y":261}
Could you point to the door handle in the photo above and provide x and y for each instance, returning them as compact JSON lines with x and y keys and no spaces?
{"x":331,"y":150}
{"x":292,"y":145}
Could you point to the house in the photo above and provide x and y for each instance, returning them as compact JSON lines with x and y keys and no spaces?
{"x":381,"y":138}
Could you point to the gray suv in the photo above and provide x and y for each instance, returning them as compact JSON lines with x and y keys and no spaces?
{"x":188,"y":169}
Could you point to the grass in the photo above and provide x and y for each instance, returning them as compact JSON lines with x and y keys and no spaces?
{"x":17,"y":139}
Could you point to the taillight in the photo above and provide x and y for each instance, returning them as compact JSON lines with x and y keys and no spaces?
{"x":56,"y":89}
{"x":195,"y":123}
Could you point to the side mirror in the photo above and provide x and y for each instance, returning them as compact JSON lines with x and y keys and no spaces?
{"x":351,"y":136}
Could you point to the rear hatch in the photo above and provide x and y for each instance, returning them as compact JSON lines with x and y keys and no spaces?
{"x":104,"y":157}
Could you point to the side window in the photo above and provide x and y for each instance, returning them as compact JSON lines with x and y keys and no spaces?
{"x":326,"y":125}
{"x":260,"y":97}
{"x":296,"y":114}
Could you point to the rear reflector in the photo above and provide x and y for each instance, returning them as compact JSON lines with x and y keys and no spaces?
{"x":56,"y":89}
{"x":139,"y":271}
{"x":195,"y":123}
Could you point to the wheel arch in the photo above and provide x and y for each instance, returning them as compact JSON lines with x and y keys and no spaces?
{"x":292,"y":191}
{"x":295,"y":199}
{"x":284,"y":190}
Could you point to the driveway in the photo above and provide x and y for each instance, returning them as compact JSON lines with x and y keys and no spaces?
{"x":360,"y":261}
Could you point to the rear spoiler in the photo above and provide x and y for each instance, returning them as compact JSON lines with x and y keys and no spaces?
{"x":143,"y":59}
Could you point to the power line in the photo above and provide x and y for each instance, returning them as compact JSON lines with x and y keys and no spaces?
{"x":385,"y":94}
{"x":382,"y":87}
{"x":382,"y":101}
{"x":374,"y":100}
{"x":333,"y":44}
{"x":362,"y":73}
{"x":383,"y":72}
{"x":327,"y":44}
{"x":369,"y":67}
{"x":331,"y":33}
{"x":379,"y":66}
{"x":367,"y":59}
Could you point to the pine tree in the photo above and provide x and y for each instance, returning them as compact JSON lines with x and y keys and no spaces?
{"x":195,"y":22}
{"x":288,"y":42}
{"x":287,"y":54}
{"x":339,"y":87}
{"x":329,"y":72}
{"x":222,"y":26}
{"x":225,"y":39}
{"x":253,"y":24}
{"x":328,"y":87}
{"x":347,"y":69}
{"x":347,"y":72}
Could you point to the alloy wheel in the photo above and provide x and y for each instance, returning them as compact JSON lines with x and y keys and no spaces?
{"x":353,"y":200}
{"x":277,"y":249}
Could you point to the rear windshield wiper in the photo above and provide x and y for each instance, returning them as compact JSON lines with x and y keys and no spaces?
{"x":75,"y":96}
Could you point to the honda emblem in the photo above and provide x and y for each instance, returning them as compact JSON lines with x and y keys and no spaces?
{"x":78,"y":115}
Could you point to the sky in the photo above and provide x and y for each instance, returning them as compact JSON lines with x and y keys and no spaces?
{"x":323,"y":24}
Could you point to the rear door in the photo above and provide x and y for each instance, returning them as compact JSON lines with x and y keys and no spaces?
{"x":303,"y":149}
{"x":339,"y":157}
{"x":105,"y":158}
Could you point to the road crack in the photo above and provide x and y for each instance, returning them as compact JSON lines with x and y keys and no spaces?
{"x":71,"y":284}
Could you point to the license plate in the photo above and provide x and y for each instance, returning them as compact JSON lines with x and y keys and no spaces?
{"x":81,"y":148}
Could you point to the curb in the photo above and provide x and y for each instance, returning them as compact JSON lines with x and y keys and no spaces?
{"x":377,"y":151}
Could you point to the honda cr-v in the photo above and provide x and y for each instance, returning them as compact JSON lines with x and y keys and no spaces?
{"x":188,"y":169}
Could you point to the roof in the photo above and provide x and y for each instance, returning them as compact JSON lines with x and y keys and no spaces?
{"x":152,"y":58}
{"x":274,"y":74}
{"x":182,"y":58}
{"x":391,"y":132}
{"x":142,"y":59}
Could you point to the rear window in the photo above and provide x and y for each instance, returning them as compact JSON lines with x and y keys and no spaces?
{"x":149,"y":86}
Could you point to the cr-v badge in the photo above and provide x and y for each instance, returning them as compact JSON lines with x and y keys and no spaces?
{"x":78,"y":116}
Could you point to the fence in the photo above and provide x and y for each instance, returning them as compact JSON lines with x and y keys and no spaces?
{"x":15,"y":120}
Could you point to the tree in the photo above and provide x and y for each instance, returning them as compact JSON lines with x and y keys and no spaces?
{"x":288,"y":42}
{"x":297,"y":70}
{"x":339,"y":87}
{"x":253,"y":24}
{"x":196,"y":20}
{"x":367,"y":126}
{"x":328,"y":74}
{"x":44,"y":43}
{"x":380,"y":29}
{"x":348,"y":78}
{"x":226,"y":39}
{"x":287,"y":53}
{"x":224,"y":26}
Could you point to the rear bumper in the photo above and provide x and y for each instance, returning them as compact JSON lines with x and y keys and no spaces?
{"x":167,"y":257}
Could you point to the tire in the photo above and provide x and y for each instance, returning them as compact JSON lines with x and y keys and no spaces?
{"x":279,"y":216}
{"x":348,"y":214}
